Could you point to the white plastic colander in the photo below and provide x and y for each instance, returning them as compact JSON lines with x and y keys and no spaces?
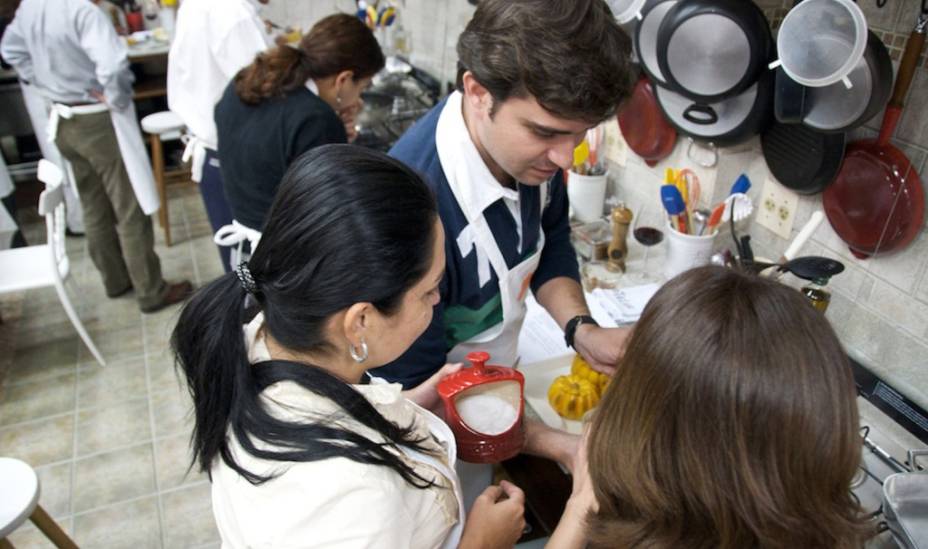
{"x":821,"y":41}
{"x":626,"y":10}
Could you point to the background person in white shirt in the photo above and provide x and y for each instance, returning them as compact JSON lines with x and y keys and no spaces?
{"x":301,"y":451}
{"x":69,"y":51}
{"x":213,"y":40}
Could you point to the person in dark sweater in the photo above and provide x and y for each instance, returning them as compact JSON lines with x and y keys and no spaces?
{"x":288,"y":101}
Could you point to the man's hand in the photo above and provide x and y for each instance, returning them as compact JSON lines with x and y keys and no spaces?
{"x":98,"y":95}
{"x":601,"y":347}
{"x":426,"y":393}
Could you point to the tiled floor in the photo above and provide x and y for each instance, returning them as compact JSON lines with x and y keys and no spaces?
{"x":110,"y":444}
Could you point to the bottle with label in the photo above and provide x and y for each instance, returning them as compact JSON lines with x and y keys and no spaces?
{"x":816,"y":293}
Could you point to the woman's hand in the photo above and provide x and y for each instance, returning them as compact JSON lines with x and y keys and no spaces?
{"x":426,"y":393}
{"x":497,"y":518}
{"x":571,"y":529}
{"x":349,"y":116}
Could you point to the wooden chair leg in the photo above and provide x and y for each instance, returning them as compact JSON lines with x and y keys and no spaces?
{"x":5,"y":544}
{"x":51,"y":529}
{"x":157,"y":164}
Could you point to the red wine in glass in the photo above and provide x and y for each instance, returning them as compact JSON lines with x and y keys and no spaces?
{"x":648,"y":236}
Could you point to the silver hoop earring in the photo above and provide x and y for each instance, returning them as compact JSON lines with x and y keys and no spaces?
{"x":358,"y":357}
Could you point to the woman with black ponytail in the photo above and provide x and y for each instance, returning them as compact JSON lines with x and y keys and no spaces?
{"x":287,"y":101}
{"x":302,"y":446}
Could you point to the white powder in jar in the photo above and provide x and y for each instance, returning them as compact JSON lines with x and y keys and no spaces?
{"x":491,"y":409}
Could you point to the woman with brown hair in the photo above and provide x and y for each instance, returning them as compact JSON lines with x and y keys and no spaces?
{"x":731,"y":422}
{"x":290,"y":100}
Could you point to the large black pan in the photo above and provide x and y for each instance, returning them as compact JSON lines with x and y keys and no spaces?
{"x":646,"y":38}
{"x":802,"y":159}
{"x":709,"y":50}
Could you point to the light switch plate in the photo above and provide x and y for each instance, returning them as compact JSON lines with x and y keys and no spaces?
{"x":777,"y":208}
{"x":616,"y":148}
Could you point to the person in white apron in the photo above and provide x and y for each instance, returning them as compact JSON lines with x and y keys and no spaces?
{"x":213,"y":40}
{"x":68,"y":50}
{"x":304,"y":449}
{"x":493,"y":153}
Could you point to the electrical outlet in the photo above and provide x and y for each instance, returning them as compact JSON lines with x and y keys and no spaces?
{"x":616,"y":148}
{"x":777,"y":208}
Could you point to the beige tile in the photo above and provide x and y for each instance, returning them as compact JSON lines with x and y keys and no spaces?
{"x":112,"y":426}
{"x":112,"y":477}
{"x":913,"y":124}
{"x":37,"y":399}
{"x":117,"y":381}
{"x":55,"y":489}
{"x":116,"y":342}
{"x":189,"y":511}
{"x":43,"y":358}
{"x":162,"y":373}
{"x":172,"y":459}
{"x":157,"y":328}
{"x":28,"y":536}
{"x":133,"y":524}
{"x":172,"y":412}
{"x":40,"y":442}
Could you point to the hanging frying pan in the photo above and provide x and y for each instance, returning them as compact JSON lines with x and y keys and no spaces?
{"x":726,"y":122}
{"x":877,"y":203}
{"x":709,"y":50}
{"x":802,"y":159}
{"x":646,"y":38}
{"x":835,"y":108}
{"x":643,"y":125}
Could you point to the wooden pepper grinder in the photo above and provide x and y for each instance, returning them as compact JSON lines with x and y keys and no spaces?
{"x":618,"y":249}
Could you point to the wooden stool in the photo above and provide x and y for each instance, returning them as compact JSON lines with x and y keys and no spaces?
{"x":20,"y":501}
{"x":164,"y":126}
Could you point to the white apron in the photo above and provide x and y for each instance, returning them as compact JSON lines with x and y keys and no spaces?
{"x":459,"y":160}
{"x":39,"y":108}
{"x":195,"y":153}
{"x":131,"y":147}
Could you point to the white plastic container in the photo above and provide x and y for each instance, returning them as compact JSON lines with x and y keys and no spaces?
{"x":685,"y":251}
{"x":821,"y":41}
{"x":587,"y":195}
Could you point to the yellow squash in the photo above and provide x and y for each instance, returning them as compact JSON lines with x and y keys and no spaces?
{"x":582,"y":369}
{"x":572,"y":396}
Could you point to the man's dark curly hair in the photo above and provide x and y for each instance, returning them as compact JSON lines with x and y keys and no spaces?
{"x":570,"y":55}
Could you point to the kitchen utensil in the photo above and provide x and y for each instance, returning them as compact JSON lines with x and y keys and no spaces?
{"x":716,"y":217}
{"x":643,"y":125}
{"x":646,"y":38}
{"x":618,"y":247}
{"x":581,"y":153}
{"x":727,"y":122}
{"x":700,"y":220}
{"x":835,"y":108}
{"x":690,"y":182}
{"x":905,"y":505}
{"x":821,"y":41}
{"x":710,"y":50}
{"x":591,"y":240}
{"x":484,"y":406}
{"x":877,"y":202}
{"x":708,"y":157}
{"x":738,"y":207}
{"x":741,"y":185}
{"x":804,"y":235}
{"x":802,"y":159}
{"x":808,"y":267}
{"x":675,"y":206}
{"x":626,"y":10}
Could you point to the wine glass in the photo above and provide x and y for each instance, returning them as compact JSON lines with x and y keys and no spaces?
{"x":647,"y":232}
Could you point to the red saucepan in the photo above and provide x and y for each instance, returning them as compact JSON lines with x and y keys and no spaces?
{"x":877,"y":203}
{"x":643,"y":125}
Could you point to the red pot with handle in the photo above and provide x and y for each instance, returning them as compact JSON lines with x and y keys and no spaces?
{"x":484,"y":405}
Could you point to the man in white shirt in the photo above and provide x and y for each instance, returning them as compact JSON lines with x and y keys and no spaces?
{"x":70,"y":52}
{"x":213,"y":40}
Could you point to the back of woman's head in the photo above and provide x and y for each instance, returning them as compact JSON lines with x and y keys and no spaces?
{"x":731,"y":422}
{"x":337,"y":43}
{"x":348,"y":225}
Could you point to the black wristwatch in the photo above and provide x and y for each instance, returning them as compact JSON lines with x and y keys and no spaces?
{"x":571,"y":328}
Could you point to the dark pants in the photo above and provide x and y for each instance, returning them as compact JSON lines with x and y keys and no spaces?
{"x":214,"y":198}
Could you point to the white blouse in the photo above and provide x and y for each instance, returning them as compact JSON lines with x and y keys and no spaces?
{"x":338,"y":502}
